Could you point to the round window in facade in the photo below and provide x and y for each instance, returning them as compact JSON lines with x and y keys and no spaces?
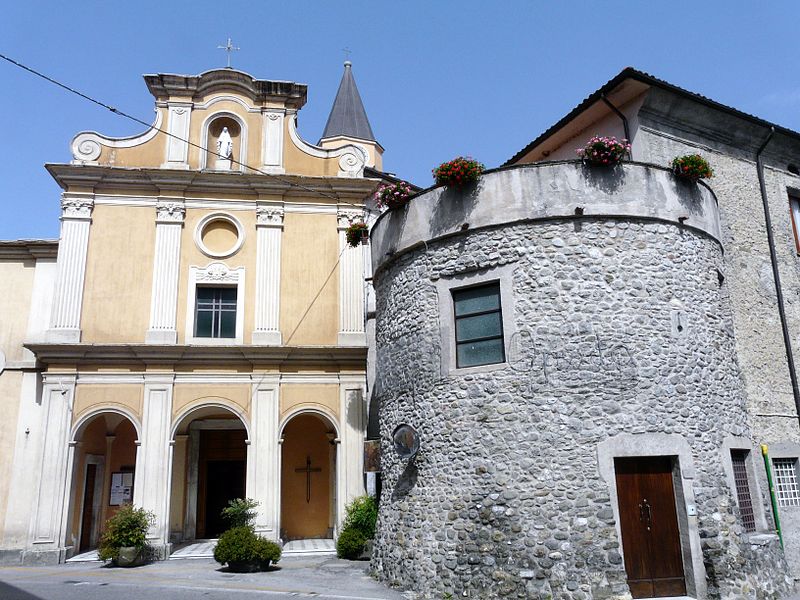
{"x":219,"y":235}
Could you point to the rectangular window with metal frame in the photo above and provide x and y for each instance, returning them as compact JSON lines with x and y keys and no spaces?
{"x":478,"y":325}
{"x":794,"y":213}
{"x":743,"y":497}
{"x":215,"y":312}
{"x":785,"y":471}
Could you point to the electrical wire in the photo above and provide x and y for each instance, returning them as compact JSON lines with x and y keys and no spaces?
{"x":149,"y":126}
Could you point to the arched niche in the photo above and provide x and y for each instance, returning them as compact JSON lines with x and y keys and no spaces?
{"x":212,"y":130}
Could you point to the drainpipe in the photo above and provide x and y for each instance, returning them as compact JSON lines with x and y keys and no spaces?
{"x":773,"y":501}
{"x":621,"y":116}
{"x":776,"y":275}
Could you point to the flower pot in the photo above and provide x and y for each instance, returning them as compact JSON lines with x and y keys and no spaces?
{"x":246,"y":566}
{"x":129,"y":556}
{"x":392,"y":203}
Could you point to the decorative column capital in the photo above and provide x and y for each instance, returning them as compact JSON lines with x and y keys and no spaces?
{"x":76,"y":207}
{"x":346,"y":217}
{"x":269,"y":216}
{"x":170,"y":212}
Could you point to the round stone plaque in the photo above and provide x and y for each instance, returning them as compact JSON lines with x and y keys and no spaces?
{"x":406,"y":441}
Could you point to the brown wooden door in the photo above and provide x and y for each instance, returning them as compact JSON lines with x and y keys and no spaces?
{"x":87,"y":518}
{"x":649,"y":523}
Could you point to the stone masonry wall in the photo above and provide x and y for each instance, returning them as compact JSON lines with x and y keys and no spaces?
{"x":504,"y":498}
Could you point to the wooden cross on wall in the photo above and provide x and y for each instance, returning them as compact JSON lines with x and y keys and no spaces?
{"x":308,"y":471}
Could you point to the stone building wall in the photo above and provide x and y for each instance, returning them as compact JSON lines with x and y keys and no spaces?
{"x":506,"y":497}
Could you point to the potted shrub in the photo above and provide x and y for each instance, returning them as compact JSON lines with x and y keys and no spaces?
{"x":604,"y":151}
{"x":244,"y":551}
{"x":355,"y":539}
{"x":124,"y":539}
{"x":393,"y":195}
{"x":691,"y":167}
{"x":239,"y":546}
{"x":357,"y":233}
{"x":458,"y":173}
{"x":240,"y":512}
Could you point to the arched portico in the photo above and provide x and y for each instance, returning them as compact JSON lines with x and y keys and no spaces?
{"x":309,"y":472}
{"x":105,"y":446}
{"x":209,"y":464}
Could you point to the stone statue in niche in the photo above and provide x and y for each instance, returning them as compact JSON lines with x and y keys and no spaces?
{"x":224,"y":150}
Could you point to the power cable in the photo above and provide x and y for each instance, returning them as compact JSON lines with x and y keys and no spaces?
{"x":149,"y":126}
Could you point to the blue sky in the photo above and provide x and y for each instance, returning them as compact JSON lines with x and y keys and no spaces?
{"x":438,"y":79}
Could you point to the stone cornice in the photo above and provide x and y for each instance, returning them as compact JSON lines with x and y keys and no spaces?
{"x":187,"y":183}
{"x":165,"y":85}
{"x":168,"y":355}
{"x":28,"y":249}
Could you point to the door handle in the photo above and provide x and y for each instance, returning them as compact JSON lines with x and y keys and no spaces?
{"x":646,"y":513}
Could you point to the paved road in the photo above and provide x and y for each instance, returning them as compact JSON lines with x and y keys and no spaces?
{"x":323,"y":578}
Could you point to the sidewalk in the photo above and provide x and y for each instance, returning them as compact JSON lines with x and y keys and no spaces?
{"x":317,"y":576}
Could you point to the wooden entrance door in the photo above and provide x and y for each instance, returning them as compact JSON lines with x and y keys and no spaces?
{"x":649,"y":523}
{"x":88,"y":516}
{"x":222,"y":471}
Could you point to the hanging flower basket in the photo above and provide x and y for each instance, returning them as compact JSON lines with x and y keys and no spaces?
{"x":357,"y":233}
{"x":458,"y":173}
{"x":393,"y":195}
{"x":691,"y":167}
{"x":604,"y":151}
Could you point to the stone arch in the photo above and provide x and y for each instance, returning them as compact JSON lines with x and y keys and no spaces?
{"x":309,"y":467}
{"x":87,"y":417}
{"x":209,"y":402}
{"x":210,"y":438}
{"x":318,"y":411}
{"x":105,"y":443}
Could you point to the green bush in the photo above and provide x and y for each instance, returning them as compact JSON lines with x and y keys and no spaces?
{"x":362,"y":516}
{"x":350,"y":544}
{"x":242,"y":545}
{"x":240,"y":512}
{"x":126,"y":529}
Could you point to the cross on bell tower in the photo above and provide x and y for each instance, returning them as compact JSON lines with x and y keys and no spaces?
{"x":229,"y":47}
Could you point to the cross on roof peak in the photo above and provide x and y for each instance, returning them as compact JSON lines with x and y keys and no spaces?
{"x":229,"y":47}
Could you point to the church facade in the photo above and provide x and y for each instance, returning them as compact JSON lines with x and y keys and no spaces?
{"x":197,"y":332}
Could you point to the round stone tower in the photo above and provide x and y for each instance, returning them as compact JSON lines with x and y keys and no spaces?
{"x":559,"y":337}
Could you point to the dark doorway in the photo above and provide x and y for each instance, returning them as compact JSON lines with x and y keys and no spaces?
{"x":87,"y":518}
{"x":222,"y":473}
{"x":649,"y":522}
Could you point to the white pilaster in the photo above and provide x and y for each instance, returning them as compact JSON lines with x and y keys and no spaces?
{"x":351,"y":285}
{"x":353,"y":423}
{"x":76,"y":216}
{"x":178,"y":141}
{"x":48,"y":530}
{"x":154,"y":458}
{"x":263,"y":457}
{"x":272,"y":136}
{"x":166,"y":263}
{"x":269,"y":228}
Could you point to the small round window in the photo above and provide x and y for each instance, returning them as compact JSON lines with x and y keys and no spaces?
{"x":219,"y":235}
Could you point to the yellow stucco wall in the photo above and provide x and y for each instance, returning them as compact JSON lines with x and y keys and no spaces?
{"x":323,"y":396}
{"x":91,"y":396}
{"x":14,"y":307}
{"x":309,"y":280}
{"x":119,"y":273}
{"x":10,"y":389}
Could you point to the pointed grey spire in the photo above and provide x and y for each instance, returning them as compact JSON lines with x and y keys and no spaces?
{"x":348,"y":117}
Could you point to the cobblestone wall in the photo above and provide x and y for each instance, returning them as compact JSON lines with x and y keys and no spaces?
{"x":619,"y":327}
